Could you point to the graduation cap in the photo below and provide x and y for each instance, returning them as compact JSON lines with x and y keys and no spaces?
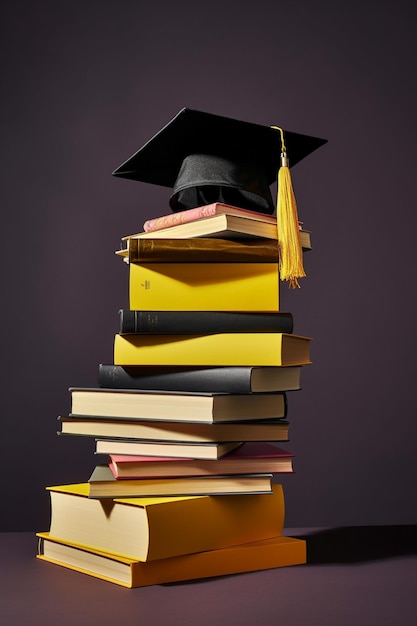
{"x":205,"y":158}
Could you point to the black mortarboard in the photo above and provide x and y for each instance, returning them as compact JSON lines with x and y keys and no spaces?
{"x":206,"y":158}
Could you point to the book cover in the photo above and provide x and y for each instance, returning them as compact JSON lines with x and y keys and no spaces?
{"x":249,"y":557}
{"x":206,"y":322}
{"x":204,"y":287}
{"x":234,"y":379}
{"x":254,"y":349}
{"x":153,"y":528}
{"x":177,"y":406}
{"x":249,"y":458}
{"x":180,"y":432}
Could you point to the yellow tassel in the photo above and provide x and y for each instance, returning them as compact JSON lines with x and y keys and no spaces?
{"x":289,"y":245}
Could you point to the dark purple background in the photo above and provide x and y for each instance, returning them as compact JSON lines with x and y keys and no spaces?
{"x":87,"y":83}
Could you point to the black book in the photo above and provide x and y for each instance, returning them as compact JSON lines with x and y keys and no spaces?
{"x":238,"y":380}
{"x":203,"y":322}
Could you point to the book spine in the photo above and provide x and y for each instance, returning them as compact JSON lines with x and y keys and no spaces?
{"x":219,"y":349}
{"x":172,"y":219}
{"x":237,"y":287}
{"x":216,"y":379}
{"x":203,"y":250}
{"x":205,"y":322}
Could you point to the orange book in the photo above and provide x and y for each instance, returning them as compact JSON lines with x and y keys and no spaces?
{"x":248,"y":557}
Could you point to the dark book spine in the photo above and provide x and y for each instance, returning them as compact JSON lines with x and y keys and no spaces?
{"x":203,"y":322}
{"x":214,"y":379}
{"x":203,"y":250}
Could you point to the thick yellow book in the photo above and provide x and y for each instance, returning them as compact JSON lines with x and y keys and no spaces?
{"x":145,"y":529}
{"x":248,"y":557}
{"x":253,"y":349}
{"x":204,"y":286}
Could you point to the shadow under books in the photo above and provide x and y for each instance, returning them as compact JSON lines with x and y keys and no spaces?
{"x":358,"y":544}
{"x":350,"y":544}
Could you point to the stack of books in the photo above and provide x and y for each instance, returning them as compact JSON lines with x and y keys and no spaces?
{"x":190,"y":412}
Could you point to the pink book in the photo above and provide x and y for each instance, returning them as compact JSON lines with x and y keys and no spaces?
{"x":208,"y":210}
{"x":251,"y":457}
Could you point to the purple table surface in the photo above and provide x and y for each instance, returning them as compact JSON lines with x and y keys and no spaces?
{"x":354,"y":576}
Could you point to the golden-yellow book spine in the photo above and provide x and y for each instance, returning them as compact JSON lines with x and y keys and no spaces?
{"x":249,"y":557}
{"x":204,"y":286}
{"x":242,"y":520}
{"x":233,"y":349}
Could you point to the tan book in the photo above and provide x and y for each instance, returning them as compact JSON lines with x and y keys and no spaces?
{"x":211,"y":451}
{"x":179,"y":432}
{"x":102,"y":484}
{"x":209,"y":408}
{"x":219,"y":226}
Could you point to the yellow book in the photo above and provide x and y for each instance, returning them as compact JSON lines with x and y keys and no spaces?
{"x":204,"y":286}
{"x":145,"y":529}
{"x":253,"y":349}
{"x":248,"y":557}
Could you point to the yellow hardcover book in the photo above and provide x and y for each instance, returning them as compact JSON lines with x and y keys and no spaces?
{"x":204,"y":286}
{"x":248,"y":557}
{"x":145,"y":529}
{"x":253,"y":349}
